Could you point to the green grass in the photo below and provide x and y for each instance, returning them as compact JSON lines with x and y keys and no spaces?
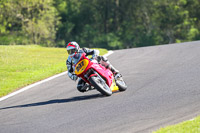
{"x":191,"y":126}
{"x":21,"y":65}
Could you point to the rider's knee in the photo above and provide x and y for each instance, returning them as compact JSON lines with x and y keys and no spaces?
{"x":80,"y":85}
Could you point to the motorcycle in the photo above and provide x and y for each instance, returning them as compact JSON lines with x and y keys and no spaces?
{"x":96,"y":75}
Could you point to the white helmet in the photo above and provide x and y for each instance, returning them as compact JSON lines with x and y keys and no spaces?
{"x":72,"y":48}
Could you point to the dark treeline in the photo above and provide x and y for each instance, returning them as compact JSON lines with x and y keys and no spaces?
{"x":111,"y":24}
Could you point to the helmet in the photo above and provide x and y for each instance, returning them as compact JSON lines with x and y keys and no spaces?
{"x":72,"y":48}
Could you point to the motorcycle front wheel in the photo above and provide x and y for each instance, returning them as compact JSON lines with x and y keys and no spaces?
{"x":100,"y":85}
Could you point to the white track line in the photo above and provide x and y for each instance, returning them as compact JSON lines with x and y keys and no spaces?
{"x":32,"y":85}
{"x":40,"y":82}
{"x":109,"y":53}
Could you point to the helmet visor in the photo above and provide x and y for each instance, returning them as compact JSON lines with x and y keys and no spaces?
{"x":71,"y":51}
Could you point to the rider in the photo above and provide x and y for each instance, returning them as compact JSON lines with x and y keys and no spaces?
{"x":72,"y":49}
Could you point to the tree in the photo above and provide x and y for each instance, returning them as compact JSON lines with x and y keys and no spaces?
{"x":112,"y":24}
{"x":34,"y":19}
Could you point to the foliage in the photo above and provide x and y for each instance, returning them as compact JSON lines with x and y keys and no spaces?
{"x":33,"y":19}
{"x":112,"y":24}
{"x":116,"y":24}
{"x":191,"y":126}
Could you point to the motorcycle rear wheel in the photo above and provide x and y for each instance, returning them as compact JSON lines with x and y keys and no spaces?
{"x":100,"y":85}
{"x":121,"y":84}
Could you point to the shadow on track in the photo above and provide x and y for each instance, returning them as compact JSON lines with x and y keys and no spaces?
{"x":73,"y":99}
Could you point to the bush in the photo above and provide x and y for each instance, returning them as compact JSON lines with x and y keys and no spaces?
{"x":60,"y":44}
{"x":13,"y":40}
{"x":5,"y":40}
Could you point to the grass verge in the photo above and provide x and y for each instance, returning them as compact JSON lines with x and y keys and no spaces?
{"x":191,"y":126}
{"x":21,"y":65}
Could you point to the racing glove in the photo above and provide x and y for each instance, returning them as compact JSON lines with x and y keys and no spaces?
{"x":72,"y":76}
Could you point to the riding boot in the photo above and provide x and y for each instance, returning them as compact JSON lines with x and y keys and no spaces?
{"x":87,"y":87}
{"x":82,"y":86}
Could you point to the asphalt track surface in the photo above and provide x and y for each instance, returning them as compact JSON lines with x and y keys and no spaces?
{"x":163,"y":89}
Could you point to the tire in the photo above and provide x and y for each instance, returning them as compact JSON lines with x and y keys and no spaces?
{"x":121,"y":84}
{"x":100,"y":85}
